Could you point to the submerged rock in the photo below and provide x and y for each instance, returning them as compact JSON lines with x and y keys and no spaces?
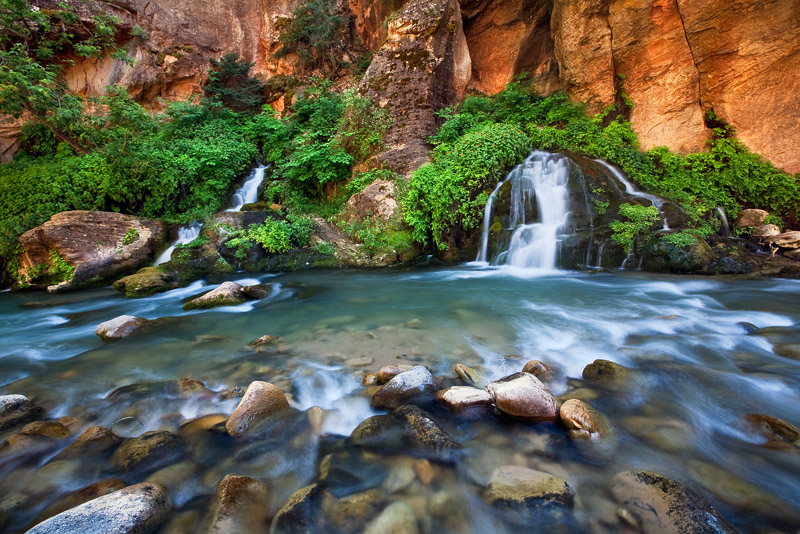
{"x":241,"y":505}
{"x":605,"y":371}
{"x":414,"y":385}
{"x":83,"y":495}
{"x":150,"y":450}
{"x":397,"y":518}
{"x":349,"y":514}
{"x":147,"y":281}
{"x":295,"y":515}
{"x":260,"y":401}
{"x":46,"y":428}
{"x":524,"y":396}
{"x":378,"y":430}
{"x":93,"y":441}
{"x":537,"y":368}
{"x":470,"y":376}
{"x":119,"y":327}
{"x":528,"y":495}
{"x":663,"y":506}
{"x":583,"y":421}
{"x":464,"y":398}
{"x":425,"y":433}
{"x":772,"y":430}
{"x":17,"y":409}
{"x":132,"y":510}
{"x":226,"y":294}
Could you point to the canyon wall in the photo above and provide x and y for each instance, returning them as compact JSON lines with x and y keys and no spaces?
{"x":675,"y":60}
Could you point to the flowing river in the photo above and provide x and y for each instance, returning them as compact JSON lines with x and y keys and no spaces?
{"x":699,"y":365}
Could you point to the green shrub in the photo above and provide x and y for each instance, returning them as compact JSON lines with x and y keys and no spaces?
{"x":230,"y":83}
{"x":362,"y":127}
{"x":316,"y":33}
{"x":274,"y":236}
{"x":363,"y":179}
{"x":60,"y":270}
{"x":680,"y":239}
{"x":639,"y":220}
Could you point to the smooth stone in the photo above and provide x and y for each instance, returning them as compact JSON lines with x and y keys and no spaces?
{"x":388,"y":372}
{"x":226,"y":294}
{"x":46,"y":428}
{"x":150,"y":450}
{"x":201,"y":424}
{"x":260,"y":401}
{"x":527,"y":495}
{"x":179,"y":479}
{"x":525,"y":397}
{"x":17,"y":409}
{"x":425,"y":472}
{"x":605,"y":371}
{"x":771,"y":429}
{"x":188,"y":386}
{"x":295,"y":516}
{"x":583,"y":421}
{"x":264,"y":340}
{"x":119,"y":327}
{"x":360,"y":362}
{"x":133,"y":510}
{"x":127,"y":427}
{"x":537,"y":368}
{"x":83,"y":495}
{"x":232,"y":393}
{"x":787,"y":350}
{"x":346,"y":473}
{"x":241,"y":505}
{"x":93,"y":441}
{"x":370,"y":379}
{"x":443,"y":504}
{"x":425,"y":433}
{"x":663,"y":506}
{"x":464,"y":398}
{"x":397,"y":518}
{"x":351,"y":513}
{"x":409,"y":386}
{"x":766,"y":230}
{"x":377,"y":430}
{"x":751,"y":218}
{"x":470,"y":376}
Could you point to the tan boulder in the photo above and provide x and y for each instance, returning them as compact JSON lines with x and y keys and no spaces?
{"x":751,"y":218}
{"x":583,"y":421}
{"x":790,"y":240}
{"x":524,"y":396}
{"x":377,"y":201}
{"x":241,"y":505}
{"x":119,"y":327}
{"x":460,"y":398}
{"x":260,"y":401}
{"x":766,"y":230}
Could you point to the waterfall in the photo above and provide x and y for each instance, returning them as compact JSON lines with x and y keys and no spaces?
{"x":534,"y":240}
{"x":632,"y":191}
{"x":186,"y":234}
{"x":248,"y":193}
{"x":726,"y":227}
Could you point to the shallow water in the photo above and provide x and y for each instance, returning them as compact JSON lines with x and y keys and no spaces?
{"x":698,"y":371}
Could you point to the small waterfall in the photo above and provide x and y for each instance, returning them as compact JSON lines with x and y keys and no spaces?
{"x":248,"y":193}
{"x":632,"y":191}
{"x":726,"y":227}
{"x":186,"y":234}
{"x":534,"y":243}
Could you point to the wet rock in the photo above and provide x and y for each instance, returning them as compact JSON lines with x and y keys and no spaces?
{"x":605,"y":371}
{"x":414,"y":385}
{"x":127,"y":427}
{"x":201,"y":424}
{"x":92,"y":491}
{"x":397,"y":518}
{"x":348,"y":472}
{"x":150,"y":451}
{"x":295,"y":516}
{"x":135,"y":509}
{"x":241,"y":505}
{"x":388,"y":372}
{"x":189,"y":386}
{"x":370,"y":379}
{"x":787,"y":240}
{"x":226,"y":294}
{"x":147,"y":282}
{"x":663,"y":506}
{"x":464,"y":398}
{"x":360,"y":362}
{"x":119,"y":327}
{"x":46,"y":428}
{"x":349,"y":514}
{"x":524,"y":493}
{"x":3,"y":519}
{"x":264,"y":340}
{"x":537,"y":368}
{"x":524,"y":396}
{"x":766,"y":230}
{"x":24,"y":446}
{"x":772,"y":430}
{"x":180,"y":479}
{"x":425,"y":472}
{"x":470,"y":376}
{"x":255,"y":292}
{"x":232,"y":393}
{"x":787,"y":350}
{"x":260,"y":401}
{"x":425,"y":433}
{"x":583,"y":421}
{"x":93,"y":441}
{"x":751,"y":218}
{"x":377,"y":430}
{"x":16,"y":410}
{"x":443,"y":504}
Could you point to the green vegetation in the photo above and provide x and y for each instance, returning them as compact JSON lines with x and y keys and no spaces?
{"x":316,"y":33}
{"x":131,"y":236}
{"x":639,"y":221}
{"x":274,"y":236}
{"x":230,"y":85}
{"x":60,"y":270}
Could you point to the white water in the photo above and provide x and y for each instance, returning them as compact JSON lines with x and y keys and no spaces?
{"x":726,"y":227}
{"x":186,"y":234}
{"x":632,"y":191}
{"x":542,"y":177}
{"x":248,"y":193}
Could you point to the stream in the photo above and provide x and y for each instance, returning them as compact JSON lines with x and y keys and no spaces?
{"x":698,"y":370}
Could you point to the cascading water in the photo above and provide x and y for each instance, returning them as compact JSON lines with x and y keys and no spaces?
{"x":541,"y":178}
{"x":248,"y":193}
{"x":726,"y":227}
{"x":186,"y":234}
{"x":632,"y":191}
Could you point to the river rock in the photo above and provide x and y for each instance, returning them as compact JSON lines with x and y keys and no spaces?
{"x":349,"y":514}
{"x":150,"y":450}
{"x":388,"y":372}
{"x":347,"y":472}
{"x":604,"y":372}
{"x":524,"y":396}
{"x":135,"y":509}
{"x":750,"y":218}
{"x":100,"y":245}
{"x":147,"y":281}
{"x":93,"y":441}
{"x":425,"y":433}
{"x":772,"y":430}
{"x":17,"y":409}
{"x":83,"y":495}
{"x":470,"y":376}
{"x":241,"y":505}
{"x":663,"y":506}
{"x":790,"y":240}
{"x":378,"y":430}
{"x":537,"y":368}
{"x":414,"y":385}
{"x":370,"y":379}
{"x":295,"y":516}
{"x":377,"y":202}
{"x":583,"y":421}
{"x":766,"y":230}
{"x":226,"y":294}
{"x":260,"y":401}
{"x":46,"y":428}
{"x":202,"y":424}
{"x":119,"y":327}
{"x":524,"y":494}
{"x":397,"y":518}
{"x":464,"y":398}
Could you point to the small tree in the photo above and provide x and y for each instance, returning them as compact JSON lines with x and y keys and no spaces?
{"x":316,"y":33}
{"x":230,"y":83}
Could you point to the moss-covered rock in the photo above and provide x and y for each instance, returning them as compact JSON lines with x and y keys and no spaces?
{"x":147,"y":281}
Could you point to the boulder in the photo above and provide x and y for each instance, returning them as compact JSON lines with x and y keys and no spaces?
{"x":83,"y":495}
{"x":296,"y":514}
{"x":119,"y":327}
{"x":771,"y":430}
{"x":226,"y":294}
{"x":537,"y":368}
{"x":241,"y":505}
{"x":524,"y":396}
{"x":416,"y":384}
{"x":376,"y":202}
{"x":526,"y":495}
{"x":93,"y":441}
{"x":751,"y":218}
{"x":464,"y":398}
{"x":99,"y":245}
{"x":663,"y":506}
{"x":149,"y":451}
{"x":397,"y":518}
{"x":349,"y":514}
{"x":787,"y":240}
{"x":16,"y":410}
{"x":605,"y":372}
{"x":260,"y":401}
{"x":583,"y":421}
{"x":766,"y":230}
{"x":147,"y":281}
{"x":378,"y":430}
{"x":46,"y":428}
{"x":136,"y":509}
{"x":425,"y":433}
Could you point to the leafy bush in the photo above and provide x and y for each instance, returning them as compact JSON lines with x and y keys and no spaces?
{"x":274,"y":236}
{"x":363,"y":179}
{"x":363,"y":126}
{"x":639,"y":220}
{"x":230,"y":83}
{"x":316,"y":33}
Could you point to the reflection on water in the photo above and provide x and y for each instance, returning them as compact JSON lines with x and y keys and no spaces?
{"x":698,"y":371}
